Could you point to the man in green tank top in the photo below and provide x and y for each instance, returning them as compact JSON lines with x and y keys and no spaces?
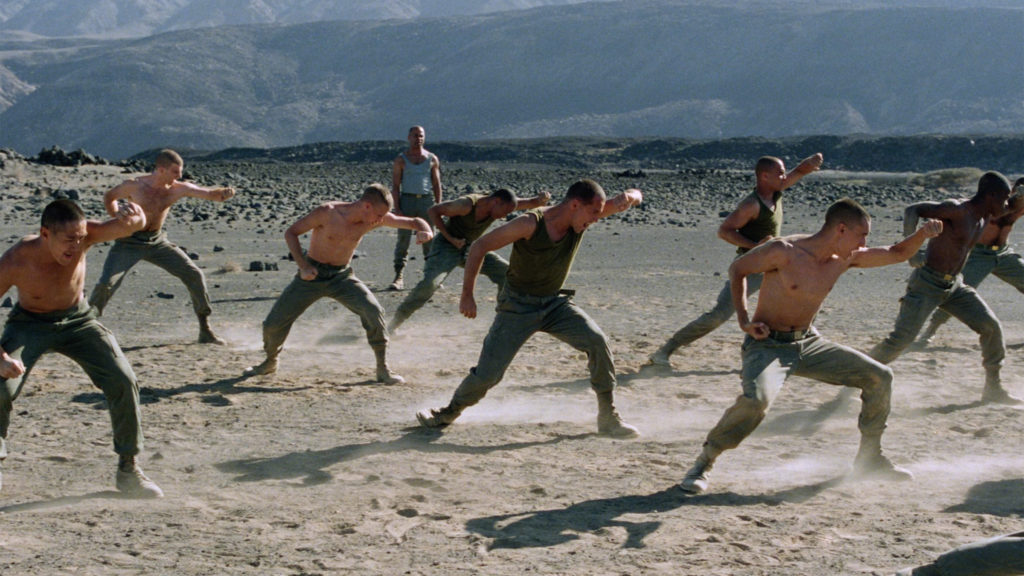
{"x":544,"y":243}
{"x":757,"y":218}
{"x":459,"y":222}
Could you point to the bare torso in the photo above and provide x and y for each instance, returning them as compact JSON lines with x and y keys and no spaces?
{"x":44,"y":285}
{"x":336,"y":238}
{"x":962,"y":227}
{"x":155,"y":200}
{"x":791,"y":295}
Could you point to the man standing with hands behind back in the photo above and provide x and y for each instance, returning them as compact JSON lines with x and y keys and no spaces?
{"x":415,"y":187}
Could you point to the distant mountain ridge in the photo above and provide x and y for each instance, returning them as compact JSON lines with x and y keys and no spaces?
{"x":618,"y":69}
{"x":137,"y":18}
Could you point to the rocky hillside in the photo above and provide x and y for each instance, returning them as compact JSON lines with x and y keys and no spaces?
{"x":669,"y":68}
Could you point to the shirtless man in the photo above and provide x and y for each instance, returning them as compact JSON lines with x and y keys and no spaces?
{"x":799,"y":272}
{"x":939,"y":284}
{"x":544,"y":243}
{"x":156,"y":193}
{"x":991,"y":255}
{"x":459,"y":222}
{"x":52,"y":314}
{"x":757,"y":218}
{"x":336,"y":229}
{"x":415,"y":187}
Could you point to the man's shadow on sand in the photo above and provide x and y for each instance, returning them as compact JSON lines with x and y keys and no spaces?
{"x":545,"y":528}
{"x":63,"y":502}
{"x":311,"y":465}
{"x":214,"y":391}
{"x":998,"y":498}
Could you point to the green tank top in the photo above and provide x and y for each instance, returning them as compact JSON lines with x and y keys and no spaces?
{"x":539,"y":266}
{"x":767,"y":223}
{"x":466,"y":227}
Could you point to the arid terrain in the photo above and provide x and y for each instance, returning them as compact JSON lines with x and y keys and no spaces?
{"x":318,"y":470}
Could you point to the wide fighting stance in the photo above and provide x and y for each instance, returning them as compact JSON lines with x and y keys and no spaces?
{"x":544,"y":243}
{"x":993,"y":255}
{"x":52,"y":314}
{"x":938,"y":283}
{"x":336,"y":229}
{"x":799,"y":272}
{"x":757,"y":218}
{"x":156,"y":193}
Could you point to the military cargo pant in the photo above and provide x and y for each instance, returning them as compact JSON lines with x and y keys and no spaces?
{"x":519,"y":317}
{"x":768,"y":363}
{"x":928,"y":290}
{"x":154,"y":248}
{"x":1003,"y":263}
{"x":334,"y":282}
{"x":442,"y":259}
{"x":75,"y":333}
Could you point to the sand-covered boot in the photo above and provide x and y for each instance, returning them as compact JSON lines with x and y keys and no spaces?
{"x":994,"y":393}
{"x":660,"y":358}
{"x":206,"y":335}
{"x":398,"y":283}
{"x":870,"y":463}
{"x":438,"y":417}
{"x":132,"y":482}
{"x":696,"y":479}
{"x":925,"y":339}
{"x":268,"y":366}
{"x":384,"y":373}
{"x":609,"y":423}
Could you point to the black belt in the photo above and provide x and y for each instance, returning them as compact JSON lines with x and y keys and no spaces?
{"x":791,"y":336}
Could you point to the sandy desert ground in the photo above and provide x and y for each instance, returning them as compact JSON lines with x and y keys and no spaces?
{"x":318,"y":470}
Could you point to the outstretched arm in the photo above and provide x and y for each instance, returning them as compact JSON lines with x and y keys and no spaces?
{"x":622,"y":202}
{"x":214,"y":194}
{"x":899,"y":252}
{"x":810,"y":164}
{"x":423,"y":231}
{"x":537,"y":201}
{"x":522,"y":227}
{"x":128,"y":219}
